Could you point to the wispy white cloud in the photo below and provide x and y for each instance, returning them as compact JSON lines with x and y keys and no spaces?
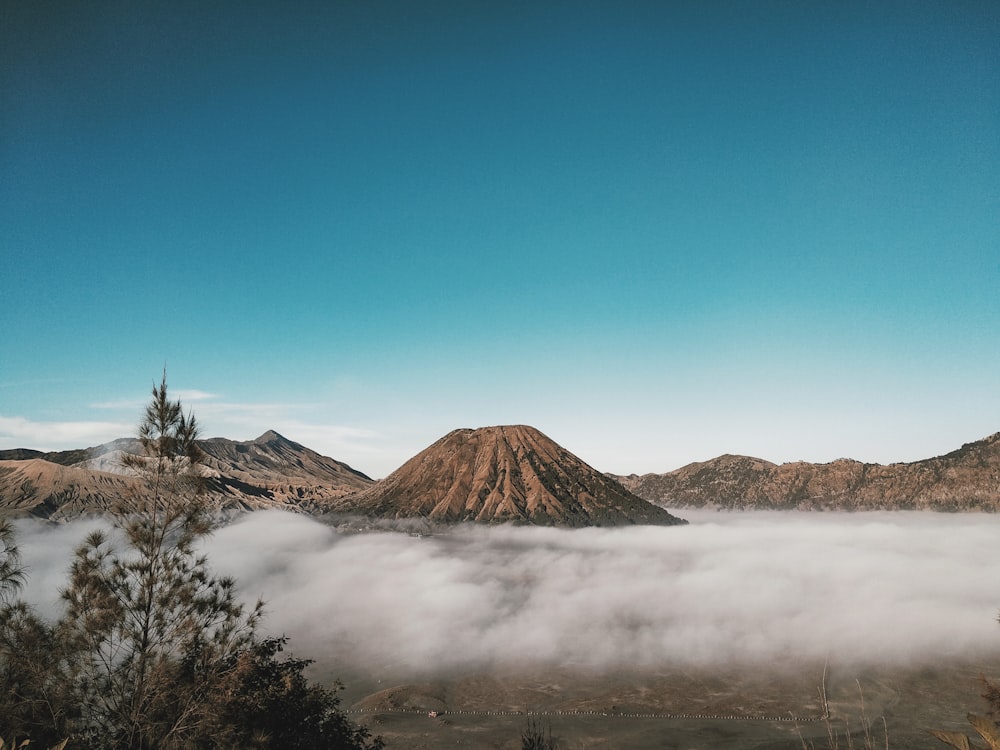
{"x":131,"y":404}
{"x":246,"y":417}
{"x":304,"y":422}
{"x":20,"y":432}
{"x":138,"y":402}
{"x":248,"y":412}
{"x":328,"y":434}
{"x":363,"y":449}
{"x":192,"y":394}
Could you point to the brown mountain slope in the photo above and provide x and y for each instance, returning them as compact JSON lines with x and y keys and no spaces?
{"x":965,"y":479}
{"x":501,"y":474}
{"x":42,"y":488}
{"x":284,"y":469}
{"x":269,"y":472}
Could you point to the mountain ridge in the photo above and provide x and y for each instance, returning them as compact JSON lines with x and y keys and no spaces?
{"x":965,"y":479}
{"x":490,"y":475}
{"x":270,"y":471}
{"x":520,"y":476}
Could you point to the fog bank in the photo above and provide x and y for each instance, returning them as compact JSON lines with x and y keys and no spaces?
{"x":740,"y":587}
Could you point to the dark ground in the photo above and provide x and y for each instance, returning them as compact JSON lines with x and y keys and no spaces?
{"x":773,"y":708}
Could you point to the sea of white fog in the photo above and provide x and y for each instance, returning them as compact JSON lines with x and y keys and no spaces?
{"x":755,"y":587}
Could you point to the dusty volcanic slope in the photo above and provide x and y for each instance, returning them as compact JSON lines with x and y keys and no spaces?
{"x":269,"y":472}
{"x":282,"y":469}
{"x":500,"y":474}
{"x":46,"y":489}
{"x":965,"y":479}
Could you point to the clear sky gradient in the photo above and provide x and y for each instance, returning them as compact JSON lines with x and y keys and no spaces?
{"x":658,"y":232}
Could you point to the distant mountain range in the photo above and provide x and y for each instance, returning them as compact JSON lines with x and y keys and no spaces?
{"x":269,"y":472}
{"x":967,"y":479}
{"x":492,"y":475}
{"x":502,"y":474}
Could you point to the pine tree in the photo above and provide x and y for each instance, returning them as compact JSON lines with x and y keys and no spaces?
{"x":153,"y":652}
{"x":151,"y":632}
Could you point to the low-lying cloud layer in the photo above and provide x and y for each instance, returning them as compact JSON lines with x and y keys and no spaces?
{"x":729,"y":588}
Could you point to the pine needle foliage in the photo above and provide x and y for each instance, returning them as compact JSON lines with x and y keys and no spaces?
{"x":270,"y":703}
{"x":11,"y":570}
{"x":34,"y":700}
{"x":30,"y":699}
{"x":153,"y":651}
{"x":150,"y":631}
{"x":168,"y":464}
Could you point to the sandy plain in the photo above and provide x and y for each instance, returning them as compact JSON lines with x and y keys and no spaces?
{"x":768,"y":708}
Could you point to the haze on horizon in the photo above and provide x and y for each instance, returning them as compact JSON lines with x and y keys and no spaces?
{"x":657,"y":233}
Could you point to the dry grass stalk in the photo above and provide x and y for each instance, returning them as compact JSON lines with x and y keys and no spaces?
{"x":833,"y":733}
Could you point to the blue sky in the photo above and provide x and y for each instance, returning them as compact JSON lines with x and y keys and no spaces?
{"x":658,"y":232}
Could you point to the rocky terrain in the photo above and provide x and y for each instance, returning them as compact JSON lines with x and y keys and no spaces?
{"x":492,"y":475}
{"x":269,"y":472}
{"x":503,"y":474}
{"x":49,"y":490}
{"x":967,"y":479}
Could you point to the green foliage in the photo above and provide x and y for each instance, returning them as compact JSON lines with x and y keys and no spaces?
{"x":29,"y":701}
{"x":11,"y":572}
{"x":149,"y":630}
{"x":34,"y":700}
{"x":170,"y":455}
{"x":153,"y":652}
{"x":271,"y":701}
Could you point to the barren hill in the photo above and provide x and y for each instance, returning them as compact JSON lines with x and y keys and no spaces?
{"x":965,"y":479}
{"x":269,"y":472}
{"x":283,"y":469}
{"x":49,"y":490}
{"x":501,"y":474}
